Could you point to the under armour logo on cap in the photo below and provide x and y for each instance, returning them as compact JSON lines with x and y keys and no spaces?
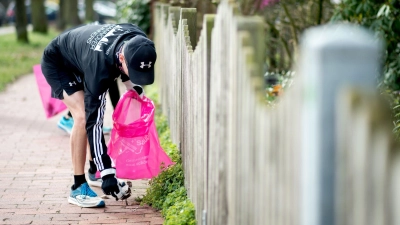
{"x":143,"y":65}
{"x":72,"y":83}
{"x":141,"y":56}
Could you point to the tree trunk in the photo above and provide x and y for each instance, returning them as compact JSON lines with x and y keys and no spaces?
{"x":89,"y":12}
{"x":21,"y":21}
{"x":39,"y":19}
{"x":71,"y":15}
{"x":320,"y":11}
{"x":61,"y":15}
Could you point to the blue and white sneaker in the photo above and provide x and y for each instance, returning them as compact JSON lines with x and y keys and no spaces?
{"x":94,"y":179}
{"x":66,"y":124}
{"x":106,"y":130}
{"x":85,"y":197}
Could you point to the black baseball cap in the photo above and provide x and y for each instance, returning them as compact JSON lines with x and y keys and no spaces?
{"x":140,"y":55}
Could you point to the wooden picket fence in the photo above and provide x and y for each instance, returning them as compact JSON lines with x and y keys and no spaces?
{"x":324,"y":155}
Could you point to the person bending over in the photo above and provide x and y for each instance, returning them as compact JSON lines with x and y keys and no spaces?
{"x":80,"y":65}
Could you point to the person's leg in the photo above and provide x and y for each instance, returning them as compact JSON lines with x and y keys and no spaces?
{"x":93,"y":181}
{"x":60,"y":78}
{"x":81,"y":194}
{"x":78,"y":140}
{"x":93,"y":176}
{"x":67,"y":121}
{"x":114,"y":94}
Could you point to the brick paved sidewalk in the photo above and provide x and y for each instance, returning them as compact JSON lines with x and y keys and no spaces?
{"x":36,"y":170}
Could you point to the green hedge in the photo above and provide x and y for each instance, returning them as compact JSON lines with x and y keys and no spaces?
{"x":167,"y":191}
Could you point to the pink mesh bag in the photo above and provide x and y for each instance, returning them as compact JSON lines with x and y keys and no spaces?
{"x":134,"y":146}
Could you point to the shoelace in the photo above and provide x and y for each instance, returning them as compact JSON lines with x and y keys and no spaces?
{"x":87,"y":191}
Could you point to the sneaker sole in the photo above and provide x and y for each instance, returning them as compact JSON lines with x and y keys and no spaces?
{"x":97,"y":183}
{"x":106,"y":131}
{"x":94,"y":183}
{"x":64,"y":128}
{"x":97,"y":205}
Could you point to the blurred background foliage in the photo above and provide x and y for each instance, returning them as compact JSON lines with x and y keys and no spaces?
{"x":285,"y":21}
{"x":382,"y":17}
{"x":136,"y":12}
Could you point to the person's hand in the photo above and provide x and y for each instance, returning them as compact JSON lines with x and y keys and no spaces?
{"x":131,"y":86}
{"x":139,"y":90}
{"x":111,"y":186}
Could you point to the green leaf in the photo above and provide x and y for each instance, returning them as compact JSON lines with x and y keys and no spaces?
{"x":383,"y":11}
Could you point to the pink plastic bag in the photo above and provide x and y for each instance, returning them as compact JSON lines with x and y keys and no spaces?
{"x":134,"y":146}
{"x":51,"y":105}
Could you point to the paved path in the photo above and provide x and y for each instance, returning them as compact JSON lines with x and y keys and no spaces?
{"x":11,"y":29}
{"x":36,"y":171}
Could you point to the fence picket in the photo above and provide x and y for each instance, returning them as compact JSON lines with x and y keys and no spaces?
{"x":322,"y":155}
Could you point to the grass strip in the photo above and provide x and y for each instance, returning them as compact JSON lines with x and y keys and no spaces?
{"x":17,"y":59}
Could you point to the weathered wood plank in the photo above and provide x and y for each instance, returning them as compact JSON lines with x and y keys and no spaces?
{"x":313,"y":159}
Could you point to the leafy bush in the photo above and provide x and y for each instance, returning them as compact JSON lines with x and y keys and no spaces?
{"x":167,"y":192}
{"x":165,"y":140}
{"x":136,"y":12}
{"x":178,"y":195}
{"x":181,"y":212}
{"x":165,"y":183}
{"x":382,"y":17}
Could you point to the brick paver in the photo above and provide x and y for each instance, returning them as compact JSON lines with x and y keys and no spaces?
{"x":36,"y":171}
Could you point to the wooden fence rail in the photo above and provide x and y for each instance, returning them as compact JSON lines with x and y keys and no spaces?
{"x":324,"y":155}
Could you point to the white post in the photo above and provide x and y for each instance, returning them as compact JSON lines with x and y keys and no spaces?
{"x":332,"y":56}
